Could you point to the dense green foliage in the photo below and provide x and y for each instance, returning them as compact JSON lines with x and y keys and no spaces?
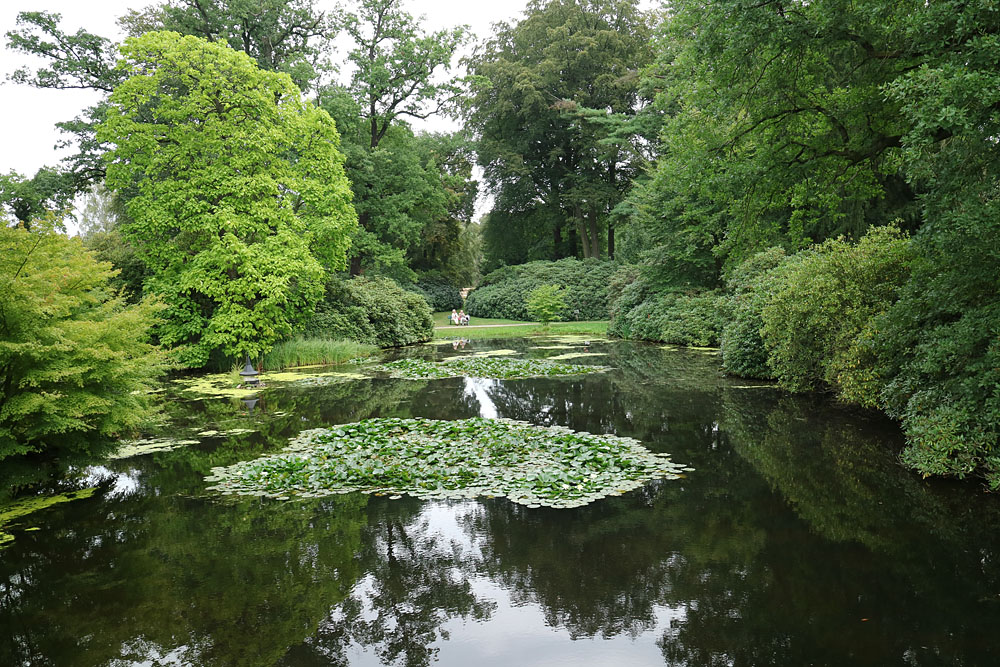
{"x":234,"y":220}
{"x":74,"y":358}
{"x":280,"y":35}
{"x":743,"y":351}
{"x":820,"y":310}
{"x":439,"y":295}
{"x":681,"y":317}
{"x":675,"y":317}
{"x":530,"y":465}
{"x":375,"y":311}
{"x":30,"y":198}
{"x":413,"y":194}
{"x":545,"y":303}
{"x":502,"y":292}
{"x":786,"y":126}
{"x":554,"y":105}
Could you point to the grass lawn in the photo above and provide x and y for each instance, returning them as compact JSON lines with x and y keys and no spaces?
{"x":593,"y":328}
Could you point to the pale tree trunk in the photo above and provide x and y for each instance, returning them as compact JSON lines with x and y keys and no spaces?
{"x":581,"y":225}
{"x":595,"y":236}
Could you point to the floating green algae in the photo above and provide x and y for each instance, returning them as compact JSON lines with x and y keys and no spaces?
{"x":481,"y":367}
{"x":215,"y":385}
{"x":530,"y":465}
{"x":575,"y":339}
{"x":576,"y":355}
{"x":22,"y":508}
{"x":324,"y":380}
{"x":220,"y":385}
{"x":130,"y":448}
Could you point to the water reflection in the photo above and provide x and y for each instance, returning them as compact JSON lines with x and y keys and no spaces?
{"x":797,"y":540}
{"x":416,"y":580}
{"x":479,"y":388}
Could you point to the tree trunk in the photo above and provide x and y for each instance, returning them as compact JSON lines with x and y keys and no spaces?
{"x":356,"y":269}
{"x":595,"y":234}
{"x":611,"y":239}
{"x":581,"y":225}
{"x":557,"y":240}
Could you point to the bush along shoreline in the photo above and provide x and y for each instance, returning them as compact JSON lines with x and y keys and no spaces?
{"x":839,"y":317}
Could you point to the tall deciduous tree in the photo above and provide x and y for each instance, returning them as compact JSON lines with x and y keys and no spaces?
{"x":81,"y":60}
{"x":241,"y":198}
{"x":30,"y":198}
{"x":280,"y":35}
{"x":396,"y":68}
{"x":555,"y":91}
{"x":777,"y":129}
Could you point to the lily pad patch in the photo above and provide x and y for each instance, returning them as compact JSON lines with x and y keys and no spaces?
{"x":530,"y":465}
{"x":481,"y":367}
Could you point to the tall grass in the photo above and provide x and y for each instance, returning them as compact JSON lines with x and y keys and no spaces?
{"x":312,"y":351}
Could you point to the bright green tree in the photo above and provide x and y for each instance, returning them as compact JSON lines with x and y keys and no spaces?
{"x":546,"y":303}
{"x":241,"y":199}
{"x":74,"y":358}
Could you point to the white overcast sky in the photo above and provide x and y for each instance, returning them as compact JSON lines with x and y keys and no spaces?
{"x":28,"y":116}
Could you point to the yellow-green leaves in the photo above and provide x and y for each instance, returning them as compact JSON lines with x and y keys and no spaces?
{"x":72,"y":354}
{"x":241,"y":200}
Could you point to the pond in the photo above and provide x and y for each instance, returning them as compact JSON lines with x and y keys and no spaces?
{"x":796,"y":540}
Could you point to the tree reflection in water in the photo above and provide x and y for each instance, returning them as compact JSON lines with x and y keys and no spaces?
{"x":796,"y":525}
{"x":414,"y":582}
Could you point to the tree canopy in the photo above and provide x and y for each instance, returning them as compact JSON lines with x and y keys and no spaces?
{"x":240,"y":195}
{"x":399,"y":73}
{"x":288,"y":36}
{"x":554,"y":94}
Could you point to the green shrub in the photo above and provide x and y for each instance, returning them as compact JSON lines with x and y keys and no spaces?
{"x":74,"y":358}
{"x":440,"y":296}
{"x":820,"y":302}
{"x":626,"y":291}
{"x":743,"y":351}
{"x":546,"y":304}
{"x":679,"y":318}
{"x":310,"y":351}
{"x":639,"y":311}
{"x":375,"y":311}
{"x":502,"y":292}
{"x":938,"y":353}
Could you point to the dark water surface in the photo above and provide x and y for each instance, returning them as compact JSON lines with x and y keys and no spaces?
{"x":798,"y":540}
